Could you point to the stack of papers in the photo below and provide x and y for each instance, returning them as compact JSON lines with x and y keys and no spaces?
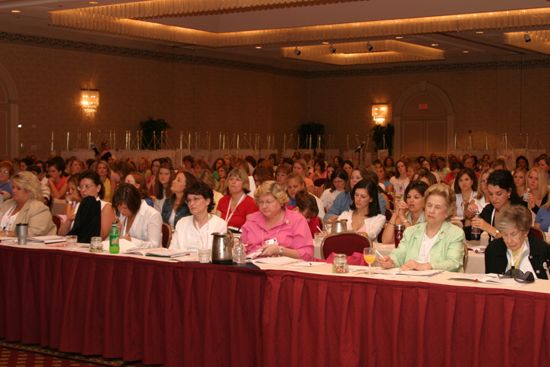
{"x":483,"y":278}
{"x":158,"y":252}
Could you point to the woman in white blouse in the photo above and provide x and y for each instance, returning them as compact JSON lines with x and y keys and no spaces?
{"x":364,"y":216}
{"x":139,"y":223}
{"x":195,"y":231}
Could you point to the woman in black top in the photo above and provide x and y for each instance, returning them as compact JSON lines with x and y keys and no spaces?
{"x":502,"y":193}
{"x":517,"y":250}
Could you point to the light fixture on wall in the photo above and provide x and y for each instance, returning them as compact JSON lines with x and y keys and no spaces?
{"x":89,"y":100}
{"x":380,"y":113}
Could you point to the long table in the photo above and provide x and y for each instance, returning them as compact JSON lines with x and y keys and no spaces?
{"x":188,"y":314}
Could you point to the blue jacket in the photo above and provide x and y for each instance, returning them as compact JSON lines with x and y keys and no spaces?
{"x":167,"y":211}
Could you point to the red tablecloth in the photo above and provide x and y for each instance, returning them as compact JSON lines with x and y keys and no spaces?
{"x":205,"y":315}
{"x":160,"y":313}
{"x":313,"y":320}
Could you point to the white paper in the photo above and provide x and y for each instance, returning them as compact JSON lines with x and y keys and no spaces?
{"x":279,"y":260}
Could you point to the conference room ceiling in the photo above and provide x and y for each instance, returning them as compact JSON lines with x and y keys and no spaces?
{"x":307,"y":35}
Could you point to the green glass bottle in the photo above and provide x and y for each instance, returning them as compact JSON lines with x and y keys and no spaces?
{"x":114,"y":236}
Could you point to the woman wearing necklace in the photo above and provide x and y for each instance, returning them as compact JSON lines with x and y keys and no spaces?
{"x":409,"y":212}
{"x":276,"y":230}
{"x":434,"y":244}
{"x":517,"y":249}
{"x":26,"y":206}
{"x":140,"y":223}
{"x":364,"y":216}
{"x":175,"y":206}
{"x":236,"y":205}
{"x":195,"y":231}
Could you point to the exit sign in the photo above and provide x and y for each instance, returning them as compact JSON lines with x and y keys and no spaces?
{"x":423,"y":106}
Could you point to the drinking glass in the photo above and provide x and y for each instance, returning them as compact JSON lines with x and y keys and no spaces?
{"x":369,"y":255}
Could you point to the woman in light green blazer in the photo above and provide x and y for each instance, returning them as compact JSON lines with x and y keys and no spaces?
{"x":435,"y":244}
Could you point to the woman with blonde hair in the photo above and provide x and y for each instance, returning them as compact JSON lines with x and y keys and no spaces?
{"x":236,"y":205}
{"x":537,"y":187}
{"x":434,"y":244}
{"x":275,"y":230}
{"x":26,"y":207}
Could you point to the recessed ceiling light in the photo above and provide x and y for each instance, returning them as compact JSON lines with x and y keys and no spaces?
{"x":435,"y":44}
{"x":398,"y":37}
{"x":258,"y":47}
{"x":479,"y":32}
{"x":93,"y":2}
{"x":15,"y":11}
{"x":465,"y":51}
{"x":325,"y":43}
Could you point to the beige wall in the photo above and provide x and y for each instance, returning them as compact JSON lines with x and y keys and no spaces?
{"x":204,"y":98}
{"x":190,"y":97}
{"x":484,"y":101}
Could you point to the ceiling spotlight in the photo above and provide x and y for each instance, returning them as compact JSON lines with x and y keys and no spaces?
{"x":527,"y":37}
{"x":398,"y":37}
{"x":325,"y":43}
{"x":479,"y":32}
{"x":369,"y":47}
{"x":435,"y":44}
{"x":16,"y":11}
{"x":297,"y":51}
{"x":332,"y":49}
{"x":465,"y":51}
{"x":258,"y":47}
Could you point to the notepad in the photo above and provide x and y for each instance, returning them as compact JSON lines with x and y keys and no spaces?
{"x":158,"y":252}
{"x":47,"y":239}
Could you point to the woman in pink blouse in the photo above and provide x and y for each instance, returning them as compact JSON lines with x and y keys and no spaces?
{"x":275,"y":230}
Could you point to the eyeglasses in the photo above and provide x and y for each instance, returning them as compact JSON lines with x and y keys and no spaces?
{"x":519,"y":276}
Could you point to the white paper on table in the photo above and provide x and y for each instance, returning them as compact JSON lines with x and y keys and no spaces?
{"x":305,"y":264}
{"x":484,"y":278}
{"x":279,"y":260}
{"x":397,"y":271}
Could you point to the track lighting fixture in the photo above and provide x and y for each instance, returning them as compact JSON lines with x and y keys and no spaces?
{"x":369,"y":47}
{"x":297,"y":51}
{"x":332,"y":49}
{"x":527,"y":37}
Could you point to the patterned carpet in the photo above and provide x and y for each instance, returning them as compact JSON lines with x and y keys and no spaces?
{"x":20,"y":355}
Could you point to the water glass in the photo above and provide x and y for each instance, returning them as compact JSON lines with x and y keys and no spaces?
{"x":204,"y":255}
{"x":96,"y":245}
{"x":21,"y":231}
{"x":71,"y":240}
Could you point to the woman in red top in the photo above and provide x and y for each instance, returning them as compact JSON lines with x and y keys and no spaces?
{"x":235,"y":205}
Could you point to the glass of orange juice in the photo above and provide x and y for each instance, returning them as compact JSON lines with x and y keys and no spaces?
{"x":370,"y":256}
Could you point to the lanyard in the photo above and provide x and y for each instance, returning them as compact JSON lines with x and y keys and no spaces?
{"x":230,"y":213}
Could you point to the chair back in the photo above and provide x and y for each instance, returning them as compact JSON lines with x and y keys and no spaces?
{"x":57,"y":221}
{"x":166,"y":235}
{"x":344,"y":243}
{"x":535,"y":232}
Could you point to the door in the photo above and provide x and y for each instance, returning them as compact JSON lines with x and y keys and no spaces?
{"x":423,"y":137}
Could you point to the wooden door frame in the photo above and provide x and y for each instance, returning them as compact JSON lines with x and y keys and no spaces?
{"x":7,"y":84}
{"x":399,"y":106}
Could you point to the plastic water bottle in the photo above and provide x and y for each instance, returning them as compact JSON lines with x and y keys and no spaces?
{"x":239,"y":253}
{"x":475,"y":234}
{"x":114,"y":235}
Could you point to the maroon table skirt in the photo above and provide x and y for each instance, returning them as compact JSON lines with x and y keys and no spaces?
{"x":184,"y":314}
{"x":118,"y":307}
{"x":312,"y":320}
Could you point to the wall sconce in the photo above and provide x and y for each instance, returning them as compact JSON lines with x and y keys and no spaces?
{"x":380,"y":113}
{"x":89,"y":100}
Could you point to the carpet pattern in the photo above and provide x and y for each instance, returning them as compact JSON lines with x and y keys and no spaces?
{"x":15,"y":354}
